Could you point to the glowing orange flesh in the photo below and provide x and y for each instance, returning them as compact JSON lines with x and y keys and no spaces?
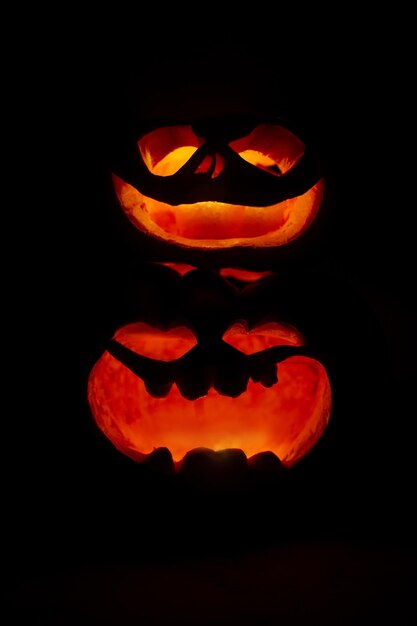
{"x":287,"y":419}
{"x":246,"y":276}
{"x":181,"y":268}
{"x":219,"y":225}
{"x":216,"y":224}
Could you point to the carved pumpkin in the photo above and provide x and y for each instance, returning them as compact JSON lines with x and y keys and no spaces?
{"x":153,"y":302}
{"x":219,"y":190}
{"x":154,"y":388}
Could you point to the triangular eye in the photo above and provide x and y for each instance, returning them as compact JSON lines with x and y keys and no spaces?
{"x":165,"y":150}
{"x":162,"y":345}
{"x":271,"y":148}
{"x":262,"y":337}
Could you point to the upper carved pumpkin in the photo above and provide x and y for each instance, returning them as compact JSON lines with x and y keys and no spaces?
{"x":219,"y":186}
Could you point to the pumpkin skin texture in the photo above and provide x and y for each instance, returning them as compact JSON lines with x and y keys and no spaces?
{"x":226,"y":394}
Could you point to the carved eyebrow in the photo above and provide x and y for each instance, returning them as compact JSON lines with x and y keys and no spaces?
{"x":275,"y":354}
{"x":142,"y":366}
{"x":159,"y":376}
{"x":239,"y":182}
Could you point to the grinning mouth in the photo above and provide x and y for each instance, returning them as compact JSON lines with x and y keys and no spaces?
{"x":220,"y":225}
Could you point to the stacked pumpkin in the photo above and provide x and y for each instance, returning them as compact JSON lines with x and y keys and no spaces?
{"x":225,"y":195}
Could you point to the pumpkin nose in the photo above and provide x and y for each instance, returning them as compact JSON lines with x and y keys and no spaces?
{"x":212,"y":164}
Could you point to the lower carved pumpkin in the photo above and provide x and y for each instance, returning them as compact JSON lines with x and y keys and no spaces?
{"x":156,"y":388}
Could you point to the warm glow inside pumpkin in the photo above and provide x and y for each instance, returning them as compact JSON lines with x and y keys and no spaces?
{"x":214,"y":224}
{"x":247,"y":276}
{"x":287,"y":418}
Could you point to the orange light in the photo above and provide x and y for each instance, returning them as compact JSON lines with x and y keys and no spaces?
{"x":287,"y":419}
{"x":219,"y":225}
{"x":180,"y":268}
{"x":246,"y":276}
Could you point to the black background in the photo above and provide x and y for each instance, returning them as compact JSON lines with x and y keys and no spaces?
{"x":70,"y":515}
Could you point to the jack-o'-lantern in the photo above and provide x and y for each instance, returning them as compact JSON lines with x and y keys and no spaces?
{"x":220,"y":191}
{"x":190,"y":341}
{"x":216,"y":385}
